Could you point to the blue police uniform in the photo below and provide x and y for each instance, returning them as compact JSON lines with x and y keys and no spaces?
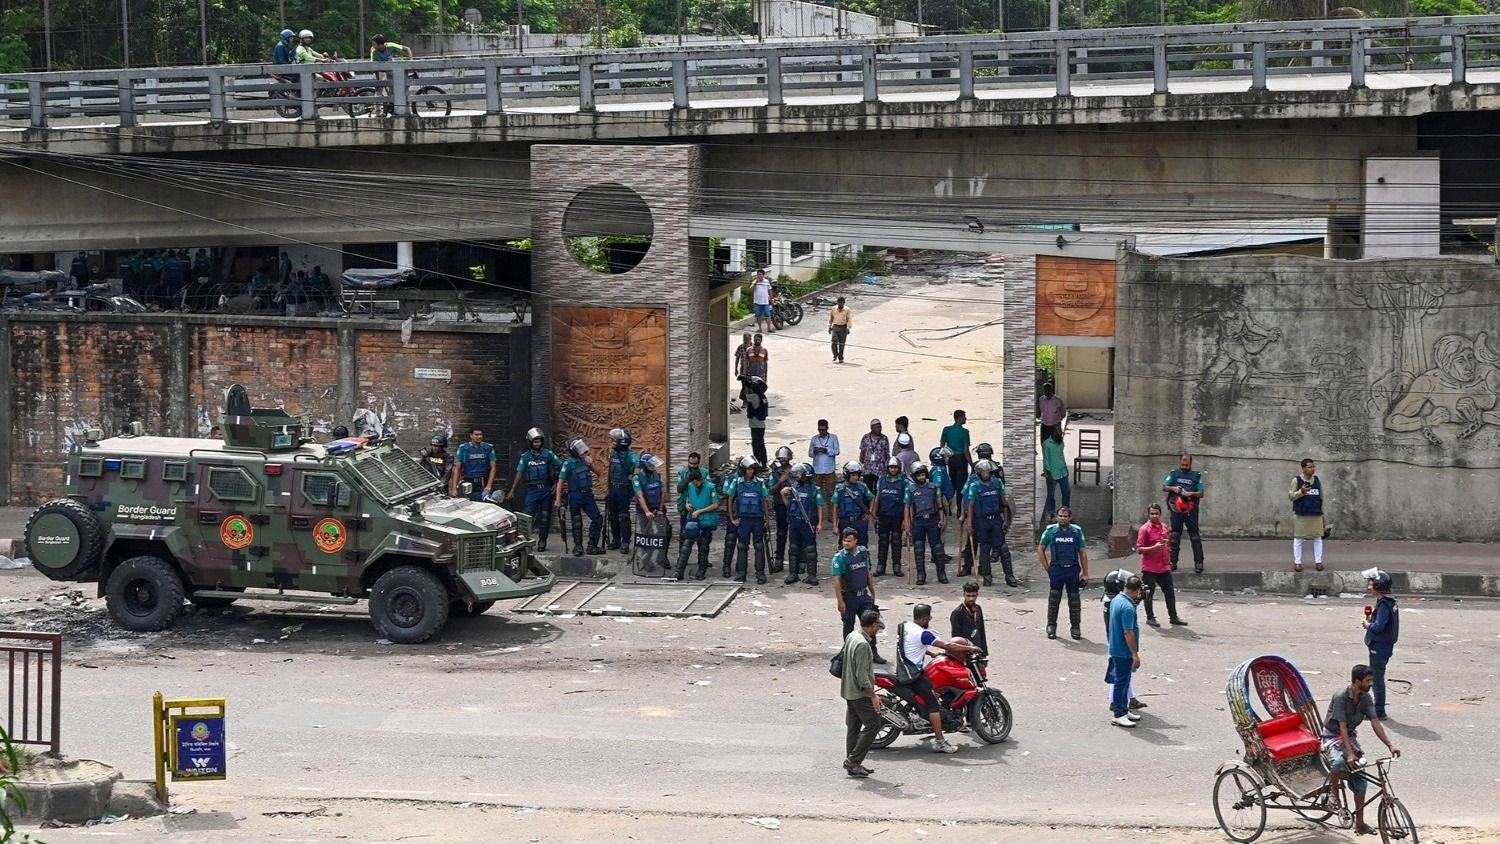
{"x":750,"y":509}
{"x":988,"y":498}
{"x":923,"y":499}
{"x":1064,"y":557}
{"x":890,"y":513}
{"x":805,"y":500}
{"x":623,"y":462}
{"x":538,"y":468}
{"x":939,"y":478}
{"x":649,"y":485}
{"x":849,"y":502}
{"x":853,"y":569}
{"x":1184,"y":514}
{"x":781,"y":476}
{"x":578,"y":476}
{"x":474,"y":466}
{"x":698,"y":532}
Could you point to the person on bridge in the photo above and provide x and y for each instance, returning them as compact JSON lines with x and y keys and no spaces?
{"x":623,"y":463}
{"x":1184,"y":488}
{"x":539,"y":467}
{"x":578,"y":478}
{"x":1064,"y":555}
{"x":382,"y":50}
{"x":306,"y":53}
{"x":285,"y":51}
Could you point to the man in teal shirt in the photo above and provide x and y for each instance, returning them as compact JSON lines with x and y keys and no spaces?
{"x":700,"y":510}
{"x":956,"y":439}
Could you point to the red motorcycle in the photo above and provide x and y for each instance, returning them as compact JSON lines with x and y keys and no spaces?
{"x":292,"y":107}
{"x":965,"y":700}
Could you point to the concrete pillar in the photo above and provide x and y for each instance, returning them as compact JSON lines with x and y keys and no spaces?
{"x":1018,"y":437}
{"x":404,"y":255}
{"x":1401,"y":206}
{"x":5,"y":415}
{"x":718,"y":380}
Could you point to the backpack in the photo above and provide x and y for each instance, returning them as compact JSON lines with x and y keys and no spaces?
{"x":905,"y":671}
{"x":836,"y":665}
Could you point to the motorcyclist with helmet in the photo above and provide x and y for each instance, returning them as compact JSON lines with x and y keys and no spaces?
{"x":577,"y":477}
{"x":851,"y":503}
{"x":285,"y":51}
{"x":305,"y":52}
{"x":750,"y":507}
{"x":780,"y":475}
{"x":923,"y":522}
{"x":539,"y":467}
{"x":802,"y":502}
{"x":890,"y":517}
{"x":623,"y":463}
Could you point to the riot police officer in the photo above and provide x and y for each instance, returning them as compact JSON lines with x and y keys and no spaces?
{"x":1064,"y":555}
{"x":986,"y":501}
{"x":924,"y":523}
{"x":726,"y":506}
{"x":539,"y":467}
{"x":780,"y":475}
{"x":748,"y":512}
{"x":851,"y":502}
{"x":578,"y":478}
{"x":623,"y":463}
{"x":475,"y":463}
{"x":802,"y":502}
{"x":938,"y":474}
{"x":852,"y":584}
{"x":648,"y":488}
{"x":890,"y":516}
{"x":435,"y":457}
{"x":987,"y":452}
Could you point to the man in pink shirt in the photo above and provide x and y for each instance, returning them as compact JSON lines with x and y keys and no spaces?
{"x":1156,"y":565}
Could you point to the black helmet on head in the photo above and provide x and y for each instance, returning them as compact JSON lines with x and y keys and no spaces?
{"x":340,"y":432}
{"x":439,"y":440}
{"x":1114,"y":582}
{"x":984,"y":450}
{"x":1378,"y":578}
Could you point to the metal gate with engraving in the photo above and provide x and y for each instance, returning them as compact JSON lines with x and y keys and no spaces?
{"x":604,"y":597}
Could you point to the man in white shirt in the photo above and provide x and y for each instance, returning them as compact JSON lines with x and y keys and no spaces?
{"x":760,"y":296}
{"x":913,"y":642}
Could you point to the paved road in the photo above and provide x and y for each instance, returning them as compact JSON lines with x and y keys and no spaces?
{"x":671,"y":716}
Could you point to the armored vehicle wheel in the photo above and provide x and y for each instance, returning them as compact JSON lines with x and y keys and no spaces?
{"x":144,"y":594}
{"x":463,"y":610}
{"x":409,"y":605}
{"x":65,"y":539}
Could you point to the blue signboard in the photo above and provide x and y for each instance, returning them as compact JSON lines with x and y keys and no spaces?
{"x":198,"y":749}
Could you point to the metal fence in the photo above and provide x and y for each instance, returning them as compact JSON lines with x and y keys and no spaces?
{"x":868,"y":71}
{"x":35,"y":661}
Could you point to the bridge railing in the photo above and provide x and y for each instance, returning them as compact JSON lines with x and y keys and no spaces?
{"x":1138,"y":60}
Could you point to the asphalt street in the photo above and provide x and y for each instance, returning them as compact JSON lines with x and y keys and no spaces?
{"x":737,"y":717}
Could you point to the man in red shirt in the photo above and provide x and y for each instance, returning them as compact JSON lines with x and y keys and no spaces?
{"x":1156,"y":565}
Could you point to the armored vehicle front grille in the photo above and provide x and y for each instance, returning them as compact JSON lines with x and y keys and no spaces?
{"x":476,"y":554}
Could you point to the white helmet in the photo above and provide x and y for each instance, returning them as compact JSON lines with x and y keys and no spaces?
{"x":852,"y":468}
{"x":919,"y":468}
{"x":800,"y":471}
{"x":578,"y":448}
{"x":306,"y":33}
{"x":893,"y":463}
{"x":749,"y":463}
{"x":620,"y":436}
{"x":784,"y":453}
{"x":985,"y":466}
{"x":534,"y":434}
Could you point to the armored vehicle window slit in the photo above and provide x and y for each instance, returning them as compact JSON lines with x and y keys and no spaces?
{"x":231,"y":484}
{"x":174,"y":470}
{"x":91,"y":467}
{"x":315,"y":487}
{"x":134,"y":470}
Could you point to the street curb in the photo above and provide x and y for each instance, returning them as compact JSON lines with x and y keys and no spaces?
{"x":71,"y":801}
{"x":1333,"y":583}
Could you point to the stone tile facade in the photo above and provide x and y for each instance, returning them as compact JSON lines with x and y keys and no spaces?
{"x":1018,"y":438}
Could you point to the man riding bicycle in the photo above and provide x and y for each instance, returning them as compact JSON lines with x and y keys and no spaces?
{"x":382,"y":50}
{"x":1349,"y":708}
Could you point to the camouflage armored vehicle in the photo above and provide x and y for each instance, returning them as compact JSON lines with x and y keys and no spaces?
{"x":265,"y":514}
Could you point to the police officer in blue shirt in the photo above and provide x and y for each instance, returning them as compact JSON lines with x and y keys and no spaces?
{"x":476,"y":464}
{"x":780,"y":472}
{"x":623,"y":463}
{"x":890,"y":517}
{"x":851,"y":501}
{"x":1184,"y":488}
{"x":852,"y":584}
{"x":539,"y":467}
{"x":924,"y":523}
{"x":577,"y":478}
{"x":988,"y":506}
{"x":804,"y":517}
{"x":1065,"y":557}
{"x":750,"y":506}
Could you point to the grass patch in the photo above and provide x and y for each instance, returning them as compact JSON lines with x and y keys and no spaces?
{"x":836,"y":270}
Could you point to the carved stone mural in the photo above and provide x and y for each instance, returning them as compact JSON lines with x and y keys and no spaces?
{"x":1385,"y":371}
{"x":609,"y":370}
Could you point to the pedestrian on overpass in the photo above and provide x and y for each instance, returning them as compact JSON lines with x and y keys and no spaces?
{"x":839,"y":324}
{"x":382,"y":50}
{"x":955,"y":438}
{"x":1184,"y":488}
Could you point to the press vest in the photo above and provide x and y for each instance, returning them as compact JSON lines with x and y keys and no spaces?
{"x":804,"y":503}
{"x":1310,"y":504}
{"x":850,"y":508}
{"x":476,"y":463}
{"x":749,"y":499}
{"x":923,"y":501}
{"x":888,"y":496}
{"x":539,"y":467}
{"x":856,"y":574}
{"x":621,"y":466}
{"x":651,"y":488}
{"x":1063,"y":550}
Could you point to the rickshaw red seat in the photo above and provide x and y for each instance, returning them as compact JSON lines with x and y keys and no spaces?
{"x":1287,"y":738}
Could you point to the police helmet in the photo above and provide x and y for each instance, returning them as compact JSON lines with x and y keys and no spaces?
{"x":984,"y":449}
{"x":1378,"y":578}
{"x":1115,"y":581}
{"x":903,"y":440}
{"x":918,"y":468}
{"x":439,"y":440}
{"x":852,"y":468}
{"x":893,"y":463}
{"x":340,"y":432}
{"x":578,"y":448}
{"x":651,"y":461}
{"x":535,"y":434}
{"x":620,"y":436}
{"x":800,"y":471}
{"x":749,"y":463}
{"x":985,"y":466}
{"x":287,"y":33}
{"x":783,"y":453}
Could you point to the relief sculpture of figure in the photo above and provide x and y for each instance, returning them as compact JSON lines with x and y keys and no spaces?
{"x":1462,"y":389}
{"x":1241,"y":340}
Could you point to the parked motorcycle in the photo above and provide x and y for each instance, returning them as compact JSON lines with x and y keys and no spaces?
{"x":784,"y":309}
{"x":965,"y":700}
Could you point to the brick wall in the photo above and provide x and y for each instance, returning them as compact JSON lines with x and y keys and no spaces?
{"x":63,"y":374}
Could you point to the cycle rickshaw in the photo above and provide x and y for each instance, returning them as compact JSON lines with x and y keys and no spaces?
{"x":1284,"y":768}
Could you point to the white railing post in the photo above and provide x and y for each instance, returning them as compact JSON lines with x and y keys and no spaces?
{"x":966,"y":72}
{"x":773,"y":78}
{"x":1064,"y":82}
{"x":1159,"y":66}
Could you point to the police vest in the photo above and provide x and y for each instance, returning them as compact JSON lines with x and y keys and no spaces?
{"x":923,"y":500}
{"x":888,"y":496}
{"x":476,"y":463}
{"x":621,"y":466}
{"x":856,"y":574}
{"x":987,"y":498}
{"x":1190,"y":481}
{"x":539,"y":467}
{"x":580,"y":477}
{"x":1063,"y":550}
{"x":1310,"y":504}
{"x":804,"y":503}
{"x":749,"y":500}
{"x":651,"y":488}
{"x":850,"y":508}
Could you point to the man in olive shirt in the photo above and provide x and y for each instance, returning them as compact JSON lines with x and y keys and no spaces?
{"x":857,"y":685}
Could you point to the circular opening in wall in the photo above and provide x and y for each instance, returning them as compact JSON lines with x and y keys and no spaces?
{"x":608,"y":228}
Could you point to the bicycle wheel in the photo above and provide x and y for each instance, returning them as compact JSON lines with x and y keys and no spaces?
{"x":1396,"y":824}
{"x":1239,"y":806}
{"x":433,"y":108}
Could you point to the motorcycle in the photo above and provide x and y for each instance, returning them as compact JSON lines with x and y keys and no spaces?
{"x":292,"y":108}
{"x":784,"y":310}
{"x":965,"y":700}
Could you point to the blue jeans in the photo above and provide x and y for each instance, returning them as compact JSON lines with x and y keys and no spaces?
{"x":1378,"y":662}
{"x":1118,"y":676}
{"x":1067,"y":493}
